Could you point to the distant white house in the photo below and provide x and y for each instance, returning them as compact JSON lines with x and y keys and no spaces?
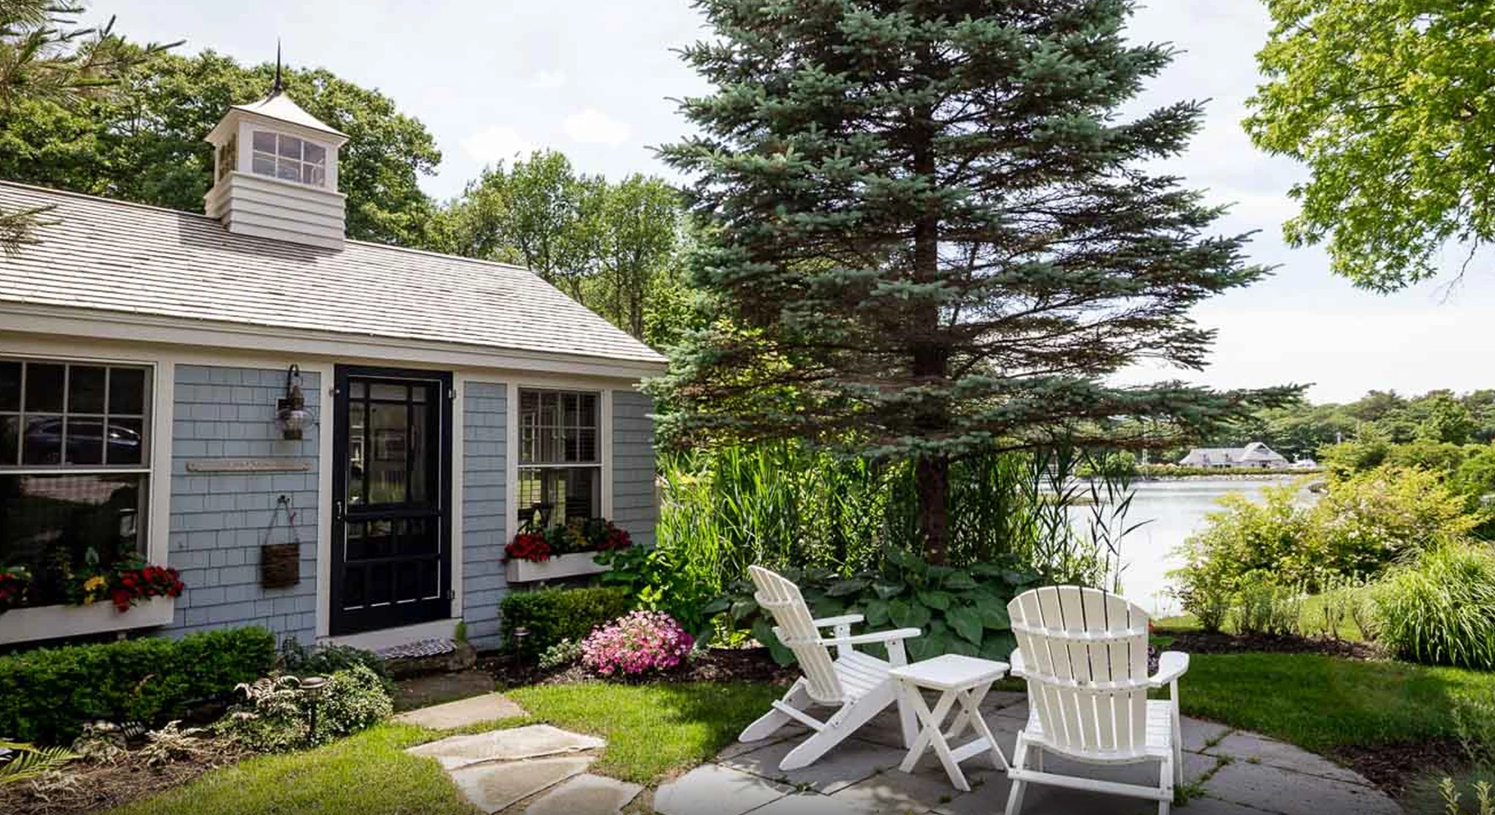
{"x":1255,"y":454}
{"x":1305,"y":464}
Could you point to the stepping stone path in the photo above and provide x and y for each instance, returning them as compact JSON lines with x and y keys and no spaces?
{"x":498,"y":769}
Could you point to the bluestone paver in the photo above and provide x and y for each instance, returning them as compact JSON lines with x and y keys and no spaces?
{"x":1243,"y":746}
{"x":1282,"y":791}
{"x":505,"y":745}
{"x":714,"y":790}
{"x":585,"y":794}
{"x":495,"y":786}
{"x":489,"y":707}
{"x":850,"y":762}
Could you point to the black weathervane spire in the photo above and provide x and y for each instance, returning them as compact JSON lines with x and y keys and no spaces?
{"x":279,"y":86}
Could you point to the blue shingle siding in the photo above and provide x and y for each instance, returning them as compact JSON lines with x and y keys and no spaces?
{"x":219,"y":520}
{"x":484,"y":447}
{"x":634,"y":505}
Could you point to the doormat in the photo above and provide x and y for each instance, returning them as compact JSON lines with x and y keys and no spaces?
{"x":418,"y":649}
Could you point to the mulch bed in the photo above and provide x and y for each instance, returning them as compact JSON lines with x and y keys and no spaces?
{"x":83,"y":787}
{"x":1392,"y":766}
{"x":714,"y":665}
{"x":1199,"y":642}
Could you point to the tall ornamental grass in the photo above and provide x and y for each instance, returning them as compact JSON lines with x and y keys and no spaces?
{"x":1440,"y":607}
{"x":787,"y":504}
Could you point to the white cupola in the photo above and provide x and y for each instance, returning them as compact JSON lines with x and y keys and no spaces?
{"x":275,"y":172}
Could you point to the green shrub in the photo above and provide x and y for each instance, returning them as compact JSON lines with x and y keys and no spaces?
{"x":959,"y":611}
{"x":1440,"y":608}
{"x":276,"y":712}
{"x":657,"y":581}
{"x":1242,"y":537}
{"x":1263,"y":606}
{"x":325,"y":660}
{"x":552,"y":615}
{"x":1367,"y":522}
{"x":46,"y":695}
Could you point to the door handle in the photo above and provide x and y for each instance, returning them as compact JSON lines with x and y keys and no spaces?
{"x":337,"y":510}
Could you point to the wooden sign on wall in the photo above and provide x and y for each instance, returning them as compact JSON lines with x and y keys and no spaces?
{"x":248,"y":465}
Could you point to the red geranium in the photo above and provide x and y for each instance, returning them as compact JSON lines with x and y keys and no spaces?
{"x":529,"y":546}
{"x":144,"y":583}
{"x":615,"y":539}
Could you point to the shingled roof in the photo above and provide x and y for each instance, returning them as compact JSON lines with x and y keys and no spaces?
{"x":96,"y":253}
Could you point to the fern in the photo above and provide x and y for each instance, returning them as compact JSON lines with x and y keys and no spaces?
{"x":27,"y":762}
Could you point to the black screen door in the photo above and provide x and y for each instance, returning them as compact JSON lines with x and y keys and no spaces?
{"x":391,"y":561}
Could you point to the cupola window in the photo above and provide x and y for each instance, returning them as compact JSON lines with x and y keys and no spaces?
{"x":289,"y":158}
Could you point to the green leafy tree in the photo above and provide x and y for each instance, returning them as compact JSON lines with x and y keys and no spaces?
{"x":146,"y":143}
{"x":640,"y":241}
{"x":48,"y":63}
{"x":612,"y":247}
{"x":929,"y":232}
{"x":537,"y":212}
{"x":1391,"y":105}
{"x":1447,"y":420}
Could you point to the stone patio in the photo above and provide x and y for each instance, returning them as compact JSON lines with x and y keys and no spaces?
{"x":1227,"y":773}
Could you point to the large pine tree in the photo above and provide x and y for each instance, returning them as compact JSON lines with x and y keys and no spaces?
{"x":928,"y":231}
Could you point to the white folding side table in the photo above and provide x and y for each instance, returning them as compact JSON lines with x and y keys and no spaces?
{"x":960,"y":679}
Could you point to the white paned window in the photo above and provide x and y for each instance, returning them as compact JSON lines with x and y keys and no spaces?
{"x":289,"y":158}
{"x":560,"y":456}
{"x":74,"y":468}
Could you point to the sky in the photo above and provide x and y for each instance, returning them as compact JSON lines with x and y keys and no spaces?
{"x":596,"y":79}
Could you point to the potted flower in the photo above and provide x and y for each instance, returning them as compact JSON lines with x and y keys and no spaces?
{"x":563,"y":550}
{"x":13,"y":584}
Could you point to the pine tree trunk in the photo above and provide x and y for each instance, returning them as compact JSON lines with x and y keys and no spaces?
{"x":933,"y":476}
{"x":931,"y":364}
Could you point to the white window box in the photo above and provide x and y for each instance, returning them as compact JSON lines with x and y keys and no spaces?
{"x":52,"y":622}
{"x":572,"y":565}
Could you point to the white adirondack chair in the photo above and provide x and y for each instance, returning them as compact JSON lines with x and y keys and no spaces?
{"x":856,"y":684}
{"x":1083,"y":653}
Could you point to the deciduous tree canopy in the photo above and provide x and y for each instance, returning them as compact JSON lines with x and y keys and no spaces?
{"x":145,"y":143}
{"x":1391,"y":105}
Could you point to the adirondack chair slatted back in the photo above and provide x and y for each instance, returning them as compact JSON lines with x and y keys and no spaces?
{"x":797,"y":631}
{"x":1085,"y":659}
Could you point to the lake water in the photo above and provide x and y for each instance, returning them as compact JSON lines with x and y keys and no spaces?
{"x":1174,"y":510}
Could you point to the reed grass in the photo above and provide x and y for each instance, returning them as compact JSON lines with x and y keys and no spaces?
{"x":787,"y":504}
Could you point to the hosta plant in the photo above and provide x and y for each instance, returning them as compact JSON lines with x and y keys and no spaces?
{"x":960,"y":611}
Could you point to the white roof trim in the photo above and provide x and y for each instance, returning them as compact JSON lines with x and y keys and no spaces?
{"x":134,"y":327}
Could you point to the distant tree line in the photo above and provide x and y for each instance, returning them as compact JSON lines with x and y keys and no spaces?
{"x":88,"y":111}
{"x":1439,"y":417}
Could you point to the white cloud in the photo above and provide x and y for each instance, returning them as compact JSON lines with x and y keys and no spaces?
{"x":592,"y":126}
{"x":496,"y":143}
{"x":548,"y":80}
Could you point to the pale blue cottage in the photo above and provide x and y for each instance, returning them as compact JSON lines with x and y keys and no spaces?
{"x":330,"y":438}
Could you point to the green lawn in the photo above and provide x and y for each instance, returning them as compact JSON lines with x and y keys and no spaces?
{"x":651,"y":730}
{"x":1319,"y":702}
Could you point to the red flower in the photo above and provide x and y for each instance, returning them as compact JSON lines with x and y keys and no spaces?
{"x":529,"y":546}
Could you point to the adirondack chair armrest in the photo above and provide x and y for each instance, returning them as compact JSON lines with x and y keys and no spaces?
{"x":1171,"y":665}
{"x":1015,"y":663}
{"x":898,"y":635}
{"x":844,"y":619}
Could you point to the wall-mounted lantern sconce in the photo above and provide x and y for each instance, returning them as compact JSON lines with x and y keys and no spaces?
{"x":291,"y":414}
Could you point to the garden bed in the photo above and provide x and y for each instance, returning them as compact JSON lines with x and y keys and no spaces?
{"x":710,"y":665}
{"x":1201,"y":642}
{"x":86,"y":787}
